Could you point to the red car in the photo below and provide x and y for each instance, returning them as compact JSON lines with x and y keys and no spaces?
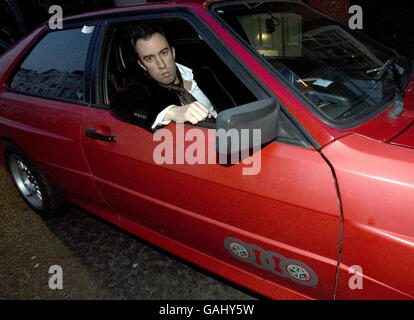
{"x":323,"y":209}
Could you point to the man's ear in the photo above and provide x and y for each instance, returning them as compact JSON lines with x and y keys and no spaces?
{"x":173,"y":52}
{"x":141,"y":64}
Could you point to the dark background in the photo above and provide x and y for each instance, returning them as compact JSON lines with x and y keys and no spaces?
{"x":390,"y":22}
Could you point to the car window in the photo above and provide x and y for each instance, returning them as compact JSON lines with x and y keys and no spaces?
{"x":55,"y":67}
{"x":219,"y":78}
{"x":213,"y":75}
{"x":331,"y":65}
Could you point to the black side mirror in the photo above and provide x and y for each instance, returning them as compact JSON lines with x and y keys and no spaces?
{"x":247,"y":127}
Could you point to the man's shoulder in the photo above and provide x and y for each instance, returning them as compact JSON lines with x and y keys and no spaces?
{"x":141,"y":90}
{"x":143,"y":87}
{"x":139,"y":80}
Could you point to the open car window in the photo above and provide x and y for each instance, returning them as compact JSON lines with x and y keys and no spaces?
{"x":216,"y":78}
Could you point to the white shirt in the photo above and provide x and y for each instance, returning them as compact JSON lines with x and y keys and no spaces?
{"x":187,"y":74}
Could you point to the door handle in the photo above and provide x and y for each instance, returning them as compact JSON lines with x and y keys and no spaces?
{"x":92,"y":133}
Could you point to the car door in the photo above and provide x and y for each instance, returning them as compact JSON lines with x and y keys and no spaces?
{"x":45,"y":103}
{"x":271,"y":222}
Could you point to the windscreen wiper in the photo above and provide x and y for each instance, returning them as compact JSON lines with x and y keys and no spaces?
{"x":390,"y":64}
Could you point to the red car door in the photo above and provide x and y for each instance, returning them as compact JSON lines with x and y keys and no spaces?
{"x":285,"y":218}
{"x":276,"y":228}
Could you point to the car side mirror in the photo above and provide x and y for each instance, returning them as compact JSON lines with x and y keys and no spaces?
{"x":246,"y":128}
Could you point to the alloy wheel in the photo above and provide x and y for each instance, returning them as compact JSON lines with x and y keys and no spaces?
{"x":25,"y":181}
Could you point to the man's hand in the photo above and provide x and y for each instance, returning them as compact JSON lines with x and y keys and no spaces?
{"x":193,"y":112}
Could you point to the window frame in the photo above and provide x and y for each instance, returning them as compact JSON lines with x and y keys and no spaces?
{"x":381,"y":107}
{"x":86,"y":74}
{"x":296,"y":134}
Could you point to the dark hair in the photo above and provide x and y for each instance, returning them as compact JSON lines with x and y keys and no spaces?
{"x":145,"y":31}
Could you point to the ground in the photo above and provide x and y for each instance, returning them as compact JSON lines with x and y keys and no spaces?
{"x":99,"y":261}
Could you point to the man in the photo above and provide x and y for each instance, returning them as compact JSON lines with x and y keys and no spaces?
{"x":169,"y":91}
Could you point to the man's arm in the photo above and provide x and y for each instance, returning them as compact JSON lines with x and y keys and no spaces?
{"x":193,"y":112}
{"x":140,"y":104}
{"x":134,"y":104}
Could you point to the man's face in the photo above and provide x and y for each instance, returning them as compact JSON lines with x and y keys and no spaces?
{"x":157,"y":58}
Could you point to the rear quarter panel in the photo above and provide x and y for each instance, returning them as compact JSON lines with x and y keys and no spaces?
{"x":47,"y":130}
{"x":7,"y":62}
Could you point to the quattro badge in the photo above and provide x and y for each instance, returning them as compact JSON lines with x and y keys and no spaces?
{"x":274,"y":262}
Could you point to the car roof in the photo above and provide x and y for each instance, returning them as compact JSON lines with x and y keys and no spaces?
{"x":137,"y":7}
{"x":154,"y":5}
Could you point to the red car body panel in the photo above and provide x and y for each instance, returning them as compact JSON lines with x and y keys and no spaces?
{"x":376,"y":186}
{"x":193,"y":211}
{"x":405,"y":139}
{"x":66,"y":166}
{"x":348,"y":204}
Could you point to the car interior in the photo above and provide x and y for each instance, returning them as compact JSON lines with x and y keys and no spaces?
{"x":214,"y":77}
{"x":223,"y":88}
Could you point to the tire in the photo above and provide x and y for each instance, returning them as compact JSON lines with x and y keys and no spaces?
{"x":33,"y":186}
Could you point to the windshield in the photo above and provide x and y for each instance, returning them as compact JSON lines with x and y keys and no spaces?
{"x":334,"y":67}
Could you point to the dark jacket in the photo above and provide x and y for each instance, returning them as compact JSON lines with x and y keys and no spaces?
{"x":140,"y":101}
{"x":142,"y":98}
